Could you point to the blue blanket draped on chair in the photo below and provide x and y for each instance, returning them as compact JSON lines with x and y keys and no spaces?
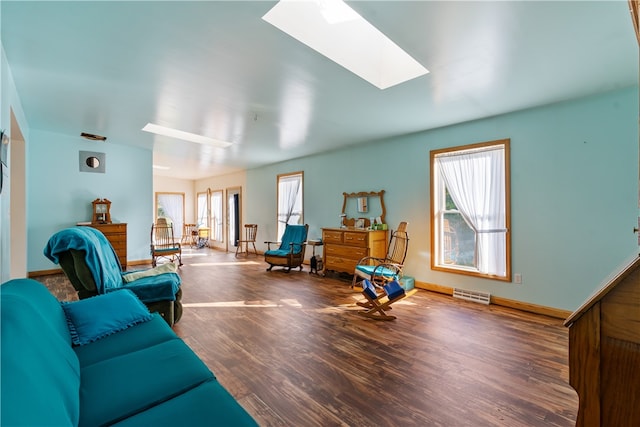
{"x":100,"y":257}
{"x":105,"y":268}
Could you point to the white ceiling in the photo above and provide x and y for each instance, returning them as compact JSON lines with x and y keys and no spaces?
{"x":217,"y":69}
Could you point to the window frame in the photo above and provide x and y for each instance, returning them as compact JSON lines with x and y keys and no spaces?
{"x":437,"y":232}
{"x":279,"y":225}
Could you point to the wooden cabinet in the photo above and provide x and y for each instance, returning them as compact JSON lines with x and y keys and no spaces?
{"x":604,"y":353}
{"x":343,"y":247}
{"x":116,"y":234}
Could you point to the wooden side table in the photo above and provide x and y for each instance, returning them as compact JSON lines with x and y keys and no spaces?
{"x":315,"y":263}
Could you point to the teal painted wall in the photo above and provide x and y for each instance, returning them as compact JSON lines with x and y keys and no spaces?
{"x":59,"y":195}
{"x":574,"y":189}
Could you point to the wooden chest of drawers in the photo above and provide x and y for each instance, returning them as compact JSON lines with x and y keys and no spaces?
{"x":343,"y":247}
{"x":116,"y":234}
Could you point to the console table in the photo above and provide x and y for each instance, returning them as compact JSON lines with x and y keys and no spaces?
{"x":116,"y":234}
{"x":344,"y":247}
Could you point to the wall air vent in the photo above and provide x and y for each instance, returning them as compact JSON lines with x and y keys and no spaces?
{"x":481,"y":297}
{"x":93,"y":137}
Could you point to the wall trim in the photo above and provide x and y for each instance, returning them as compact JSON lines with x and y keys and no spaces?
{"x":39,"y":273}
{"x":504,"y":302}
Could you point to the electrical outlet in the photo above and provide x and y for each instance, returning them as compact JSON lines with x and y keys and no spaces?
{"x":517,"y":278}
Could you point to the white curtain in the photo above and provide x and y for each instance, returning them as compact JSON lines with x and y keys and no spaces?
{"x":476,"y":183}
{"x":289,"y":201}
{"x":202,"y":210}
{"x":173,"y":207}
{"x":216,"y":221}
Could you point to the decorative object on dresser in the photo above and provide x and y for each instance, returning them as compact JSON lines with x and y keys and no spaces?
{"x":101,"y":211}
{"x":116,"y":234}
{"x":382,"y":270}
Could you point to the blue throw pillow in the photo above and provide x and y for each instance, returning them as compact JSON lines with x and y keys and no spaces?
{"x":97,"y":317}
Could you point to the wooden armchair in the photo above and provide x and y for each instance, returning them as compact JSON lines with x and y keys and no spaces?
{"x":250,"y":233}
{"x":290,"y":253}
{"x":164,"y":244}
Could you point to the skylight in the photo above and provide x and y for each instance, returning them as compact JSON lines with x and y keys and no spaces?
{"x":185,"y":136}
{"x":338,"y":32}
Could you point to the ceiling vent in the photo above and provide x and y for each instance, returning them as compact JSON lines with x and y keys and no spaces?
{"x":93,"y":137}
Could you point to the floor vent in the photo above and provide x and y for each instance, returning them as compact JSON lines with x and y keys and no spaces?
{"x":481,"y":297}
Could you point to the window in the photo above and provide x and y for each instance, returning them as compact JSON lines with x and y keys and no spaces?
{"x":470,"y":210}
{"x":203,"y":211}
{"x":171,"y":206}
{"x":290,"y":210}
{"x":216,"y":216}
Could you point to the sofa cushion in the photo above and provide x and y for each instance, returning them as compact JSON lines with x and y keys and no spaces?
{"x":122,"y":386}
{"x":97,"y":317}
{"x":135,"y":338}
{"x":208,"y":404}
{"x":40,"y":371}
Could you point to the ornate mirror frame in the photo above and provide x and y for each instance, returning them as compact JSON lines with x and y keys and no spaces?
{"x":351,"y":222}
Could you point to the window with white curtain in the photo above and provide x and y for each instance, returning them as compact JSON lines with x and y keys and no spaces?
{"x":290,"y":210}
{"x":203,"y":217}
{"x":171,"y":206}
{"x":470,"y":210}
{"x":216,"y":216}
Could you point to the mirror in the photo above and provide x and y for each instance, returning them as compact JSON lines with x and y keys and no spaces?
{"x":363,"y":205}
{"x":363,"y":202}
{"x":93,"y":162}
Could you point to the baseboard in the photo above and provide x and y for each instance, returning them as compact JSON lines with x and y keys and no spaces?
{"x":39,"y":273}
{"x":139,"y":262}
{"x":504,"y":302}
{"x":32,"y":274}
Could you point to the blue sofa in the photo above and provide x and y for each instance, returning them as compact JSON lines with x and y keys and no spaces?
{"x":126,"y":368}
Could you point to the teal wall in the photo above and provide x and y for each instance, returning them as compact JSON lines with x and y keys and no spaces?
{"x":59,"y":195}
{"x":574,"y":189}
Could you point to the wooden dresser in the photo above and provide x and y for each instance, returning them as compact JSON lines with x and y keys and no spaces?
{"x":116,"y":234}
{"x":343,"y":247}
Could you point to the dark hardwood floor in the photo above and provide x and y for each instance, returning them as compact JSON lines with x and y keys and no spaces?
{"x":293,"y":352}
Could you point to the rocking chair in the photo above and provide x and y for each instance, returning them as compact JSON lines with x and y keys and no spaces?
{"x":377,"y":304}
{"x":164,"y":244}
{"x":290,"y":254}
{"x":380,"y":271}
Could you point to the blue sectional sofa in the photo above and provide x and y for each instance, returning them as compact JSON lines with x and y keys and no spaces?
{"x":101,"y":361}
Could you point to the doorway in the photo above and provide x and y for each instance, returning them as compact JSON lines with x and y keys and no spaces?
{"x":234,"y":217}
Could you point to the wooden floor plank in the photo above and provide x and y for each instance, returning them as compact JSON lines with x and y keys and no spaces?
{"x":293,"y":351}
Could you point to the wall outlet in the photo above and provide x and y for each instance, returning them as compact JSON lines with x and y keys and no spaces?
{"x":517,"y":278}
